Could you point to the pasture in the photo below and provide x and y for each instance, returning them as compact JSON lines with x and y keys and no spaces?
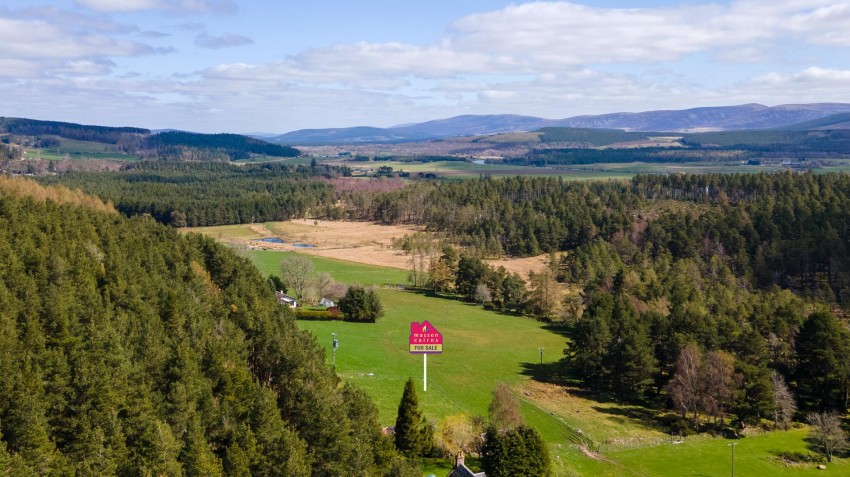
{"x":482,"y":348}
{"x":77,"y":150}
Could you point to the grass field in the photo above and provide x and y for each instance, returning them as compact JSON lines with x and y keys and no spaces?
{"x":268,"y":261}
{"x":74,"y":149}
{"x":483,"y":348}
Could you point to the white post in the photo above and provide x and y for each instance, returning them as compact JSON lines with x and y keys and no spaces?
{"x":425,"y":373}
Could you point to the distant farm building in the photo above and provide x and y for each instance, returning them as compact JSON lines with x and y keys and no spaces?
{"x":284,"y":299}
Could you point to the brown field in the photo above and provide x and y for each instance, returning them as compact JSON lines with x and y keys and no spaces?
{"x":360,"y":242}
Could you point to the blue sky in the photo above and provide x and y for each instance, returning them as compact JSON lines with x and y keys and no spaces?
{"x":239,"y":66}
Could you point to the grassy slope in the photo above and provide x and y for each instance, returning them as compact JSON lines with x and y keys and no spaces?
{"x":482,"y":348}
{"x":81,"y":150}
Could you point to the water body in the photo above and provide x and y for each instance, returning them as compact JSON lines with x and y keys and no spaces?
{"x":303,"y":245}
{"x":270,"y":240}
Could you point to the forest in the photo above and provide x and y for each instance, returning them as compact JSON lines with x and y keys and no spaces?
{"x":129,"y":350}
{"x":201,"y":194}
{"x":176,"y":145}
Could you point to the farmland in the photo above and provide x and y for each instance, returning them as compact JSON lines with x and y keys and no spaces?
{"x":483,"y":348}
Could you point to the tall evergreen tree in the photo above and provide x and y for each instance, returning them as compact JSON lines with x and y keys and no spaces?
{"x":410,"y":427}
{"x":822,"y":360}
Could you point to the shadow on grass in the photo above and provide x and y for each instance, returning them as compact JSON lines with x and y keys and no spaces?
{"x":646,"y":416}
{"x":550,"y":373}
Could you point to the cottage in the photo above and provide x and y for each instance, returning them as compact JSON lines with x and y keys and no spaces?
{"x":284,"y":299}
{"x":461,"y":470}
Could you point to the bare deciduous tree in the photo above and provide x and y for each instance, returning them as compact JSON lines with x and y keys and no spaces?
{"x":684,"y":386}
{"x":482,"y":294}
{"x":783,"y":401}
{"x":504,"y":409}
{"x":461,"y":432}
{"x":296,"y":271}
{"x":826,"y":433}
{"x":717,"y":379}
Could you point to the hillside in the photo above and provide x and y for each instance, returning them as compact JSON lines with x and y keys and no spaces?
{"x":130,"y":350}
{"x":55,"y":140}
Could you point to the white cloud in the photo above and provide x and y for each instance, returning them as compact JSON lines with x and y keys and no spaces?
{"x":223,"y":41}
{"x":34,"y":41}
{"x":120,"y":5}
{"x":117,"y":6}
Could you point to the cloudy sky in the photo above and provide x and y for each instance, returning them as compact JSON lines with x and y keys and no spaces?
{"x":278,"y":66}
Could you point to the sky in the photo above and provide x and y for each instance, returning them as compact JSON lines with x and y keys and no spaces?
{"x":278,"y":66}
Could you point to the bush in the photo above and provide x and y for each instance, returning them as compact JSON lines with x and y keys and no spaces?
{"x":317,"y":315}
{"x":359,"y":304}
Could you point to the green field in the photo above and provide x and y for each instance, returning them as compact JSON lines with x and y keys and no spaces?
{"x":268,"y":261}
{"x":75,"y":150}
{"x":482,"y":348}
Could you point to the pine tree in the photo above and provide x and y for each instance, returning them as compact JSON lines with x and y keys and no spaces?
{"x":520,"y":451}
{"x":821,"y":364}
{"x":410,"y":433}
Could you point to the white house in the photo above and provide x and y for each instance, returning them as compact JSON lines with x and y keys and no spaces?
{"x":284,"y":299}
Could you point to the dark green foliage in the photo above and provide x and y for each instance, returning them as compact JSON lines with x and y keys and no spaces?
{"x":512,"y":452}
{"x":80,"y":132}
{"x":129,"y":349}
{"x":360,"y":304}
{"x":276,"y":284}
{"x":412,"y":436}
{"x":822,"y":364}
{"x":471,"y":271}
{"x":519,"y":216}
{"x":177,"y":145}
{"x":203,"y":194}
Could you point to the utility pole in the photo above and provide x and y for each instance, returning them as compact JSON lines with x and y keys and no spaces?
{"x":732,"y":445}
{"x":541,"y":354}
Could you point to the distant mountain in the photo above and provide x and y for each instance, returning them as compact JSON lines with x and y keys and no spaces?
{"x":473,"y":125}
{"x":723,"y":118}
{"x":355,"y":135}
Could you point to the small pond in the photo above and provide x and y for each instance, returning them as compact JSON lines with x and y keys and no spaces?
{"x":270,"y":240}
{"x":303,"y":245}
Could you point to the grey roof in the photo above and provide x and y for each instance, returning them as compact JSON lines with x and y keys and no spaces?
{"x":463,"y":471}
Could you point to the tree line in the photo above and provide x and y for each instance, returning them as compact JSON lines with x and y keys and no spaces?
{"x":203,"y":194}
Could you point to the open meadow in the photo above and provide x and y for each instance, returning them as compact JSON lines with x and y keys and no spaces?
{"x":77,"y":150}
{"x":347,"y":241}
{"x":483,"y":348}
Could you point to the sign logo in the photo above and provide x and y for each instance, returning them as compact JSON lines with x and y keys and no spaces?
{"x":425,"y":339}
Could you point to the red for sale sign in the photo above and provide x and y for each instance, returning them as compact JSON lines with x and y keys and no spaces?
{"x":425,"y":339}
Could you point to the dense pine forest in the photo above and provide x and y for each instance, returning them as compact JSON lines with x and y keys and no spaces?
{"x":202,"y":194}
{"x":128,"y":349}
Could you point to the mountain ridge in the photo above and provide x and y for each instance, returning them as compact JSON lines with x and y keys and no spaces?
{"x":719,"y":118}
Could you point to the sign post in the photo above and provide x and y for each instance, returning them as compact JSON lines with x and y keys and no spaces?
{"x":425,"y":340}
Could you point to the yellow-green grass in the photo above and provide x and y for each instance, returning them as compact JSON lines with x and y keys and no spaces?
{"x":754,"y":456}
{"x":268,"y":262}
{"x":74,"y":149}
{"x":226,"y":233}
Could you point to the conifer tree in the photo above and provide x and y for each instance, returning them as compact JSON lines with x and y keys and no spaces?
{"x":410,"y":427}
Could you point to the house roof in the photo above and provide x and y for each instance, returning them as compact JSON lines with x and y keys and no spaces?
{"x":463,"y":471}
